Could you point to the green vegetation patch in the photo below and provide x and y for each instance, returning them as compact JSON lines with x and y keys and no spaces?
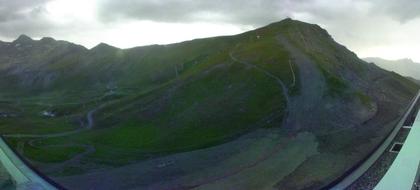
{"x":364,"y":99}
{"x":52,"y":153}
{"x":35,"y":125}
{"x":336,"y":86}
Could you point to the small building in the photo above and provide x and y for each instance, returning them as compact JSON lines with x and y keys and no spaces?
{"x":48,"y":114}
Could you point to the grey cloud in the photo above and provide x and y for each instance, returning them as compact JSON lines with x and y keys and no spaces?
{"x":237,"y":11}
{"x":18,"y":9}
{"x":22,"y":16}
{"x":401,"y":10}
{"x":255,"y":12}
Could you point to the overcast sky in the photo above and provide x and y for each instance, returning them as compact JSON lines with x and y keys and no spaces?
{"x":382,"y":28}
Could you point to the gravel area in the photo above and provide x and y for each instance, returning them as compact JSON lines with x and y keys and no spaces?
{"x":375,"y":173}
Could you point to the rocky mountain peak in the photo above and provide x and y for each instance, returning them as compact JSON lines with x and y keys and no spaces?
{"x":23,"y":39}
{"x":103,"y":47}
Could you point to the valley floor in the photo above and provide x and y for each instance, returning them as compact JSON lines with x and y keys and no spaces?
{"x":261,"y":157}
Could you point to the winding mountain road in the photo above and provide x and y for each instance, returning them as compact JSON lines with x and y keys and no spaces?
{"x":89,"y":118}
{"x":76,"y":158}
{"x":90,"y":124}
{"x":293,"y":73}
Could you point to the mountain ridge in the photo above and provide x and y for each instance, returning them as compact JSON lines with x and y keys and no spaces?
{"x":406,"y":67}
{"x":25,"y":37}
{"x":288,"y":82}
